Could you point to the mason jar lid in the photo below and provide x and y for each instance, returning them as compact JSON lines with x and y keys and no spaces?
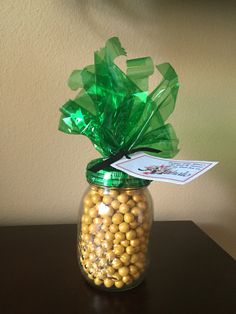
{"x":111,"y":177}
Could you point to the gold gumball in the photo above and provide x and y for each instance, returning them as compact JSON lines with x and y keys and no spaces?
{"x":124,"y":208}
{"x":137,"y":198}
{"x":142,"y":205}
{"x":107,"y":199}
{"x":128,"y":217}
{"x":113,"y":193}
{"x":125,"y":243}
{"x":110,"y":255}
{"x":110,"y":270}
{"x":119,"y":250}
{"x":108,"y":282}
{"x":97,"y":281}
{"x":120,"y":236}
{"x":117,"y":218}
{"x":123,"y":198}
{"x":115,"y":204}
{"x":130,"y":250}
{"x":123,"y":271}
{"x":136,"y":211}
{"x":100,"y":235}
{"x":134,"y":258}
{"x":130,"y":235}
{"x":109,"y":236}
{"x":119,"y":284}
{"x":106,"y":220}
{"x":116,"y":263}
{"x":113,"y":228}
{"x":131,"y":203}
{"x":140,"y":231}
{"x":133,"y":269}
{"x":93,"y":212}
{"x":135,"y":242}
{"x":96,"y":198}
{"x":116,"y":276}
{"x":125,"y":258}
{"x":127,"y":279}
{"x":124,"y":227}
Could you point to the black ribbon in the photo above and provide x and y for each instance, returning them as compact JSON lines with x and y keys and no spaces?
{"x":120,"y":154}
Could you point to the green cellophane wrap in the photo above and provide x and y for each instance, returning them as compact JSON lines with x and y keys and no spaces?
{"x":114,"y":109}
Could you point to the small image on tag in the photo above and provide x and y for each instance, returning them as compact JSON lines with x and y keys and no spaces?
{"x":148,"y":167}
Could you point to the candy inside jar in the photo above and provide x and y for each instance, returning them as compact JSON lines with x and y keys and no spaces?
{"x":113,"y":231}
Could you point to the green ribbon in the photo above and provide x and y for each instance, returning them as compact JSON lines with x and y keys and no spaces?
{"x":115,"y":111}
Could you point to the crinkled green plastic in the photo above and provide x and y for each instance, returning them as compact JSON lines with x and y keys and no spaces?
{"x":115,"y":111}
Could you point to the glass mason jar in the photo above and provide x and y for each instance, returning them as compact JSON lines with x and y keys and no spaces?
{"x":115,"y":219}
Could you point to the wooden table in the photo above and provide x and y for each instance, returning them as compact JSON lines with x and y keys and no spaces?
{"x":189,"y":273}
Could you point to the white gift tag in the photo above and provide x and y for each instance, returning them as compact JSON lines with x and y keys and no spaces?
{"x":153,"y":168}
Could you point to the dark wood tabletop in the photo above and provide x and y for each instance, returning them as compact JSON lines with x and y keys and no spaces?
{"x":188,"y":273}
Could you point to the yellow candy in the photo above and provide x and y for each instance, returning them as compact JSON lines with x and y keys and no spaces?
{"x":124,"y":227}
{"x":123,"y":271}
{"x":124,"y":208}
{"x":123,"y":198}
{"x":137,"y":198}
{"x":109,"y":236}
{"x":114,"y":193}
{"x":96,"y":198}
{"x":108,"y":282}
{"x":128,"y":217}
{"x":100,"y":235}
{"x":142,"y":205}
{"x":130,"y":235}
{"x":106,"y":220}
{"x":130,"y":250}
{"x":119,"y":250}
{"x":87,"y":219}
{"x":125,"y":258}
{"x":133,"y":269}
{"x":85,"y":228}
{"x":107,"y":245}
{"x":135,"y":242}
{"x":131,"y":203}
{"x":107,"y":199}
{"x":101,"y":191}
{"x":140,"y":231}
{"x":127,"y":279}
{"x":110,"y":270}
{"x":136,"y":211}
{"x":113,"y":228}
{"x":99,"y":252}
{"x":92,"y":229}
{"x":93,"y":212}
{"x":97,"y":221}
{"x":97,"y":241}
{"x":117,"y":218}
{"x":115,"y":204}
{"x":134,"y":224}
{"x":116,"y":276}
{"x":125,"y":243}
{"x":92,"y":257}
{"x":110,"y":255}
{"x":130,"y":192}
{"x":88,"y":202}
{"x":116,"y":263}
{"x":119,"y":284}
{"x":119,"y":236}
